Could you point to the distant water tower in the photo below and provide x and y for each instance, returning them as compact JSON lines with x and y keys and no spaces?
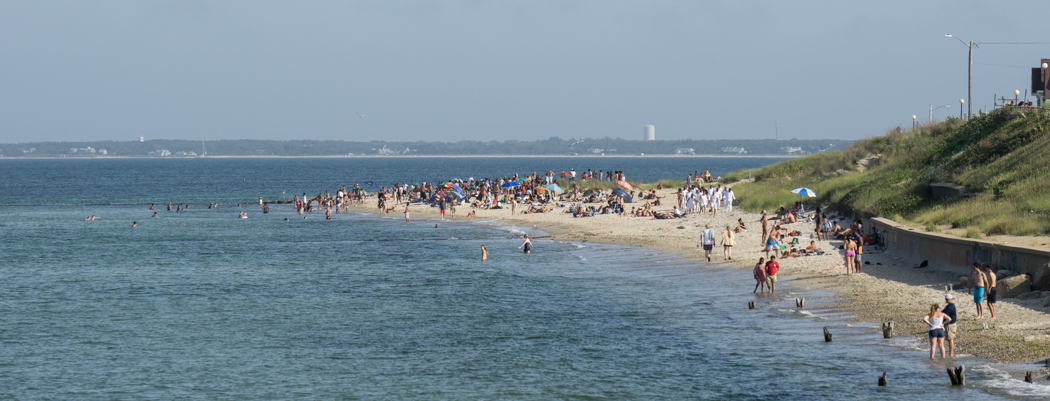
{"x":650,"y":133}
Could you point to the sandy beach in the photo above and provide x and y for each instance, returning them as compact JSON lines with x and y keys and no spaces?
{"x":888,"y":289}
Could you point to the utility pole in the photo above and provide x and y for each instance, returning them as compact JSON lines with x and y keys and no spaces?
{"x":969,"y":76}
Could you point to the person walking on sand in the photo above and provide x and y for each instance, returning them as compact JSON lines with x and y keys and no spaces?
{"x":772,"y":267}
{"x":949,"y":328}
{"x":992,"y":294}
{"x":936,"y":320}
{"x":707,"y":239}
{"x":527,"y":244}
{"x":760,"y":275}
{"x":851,"y":252}
{"x":978,"y":282}
{"x":727,"y":244}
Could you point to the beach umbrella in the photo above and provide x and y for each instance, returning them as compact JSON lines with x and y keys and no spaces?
{"x":803,"y":191}
{"x":625,"y":185}
{"x":564,"y":174}
{"x":626,"y":196}
{"x":372,"y":184}
{"x":555,"y":188}
{"x":458,"y":189}
{"x":511,"y":184}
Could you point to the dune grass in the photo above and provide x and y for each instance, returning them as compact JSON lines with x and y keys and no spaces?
{"x":999,"y":157}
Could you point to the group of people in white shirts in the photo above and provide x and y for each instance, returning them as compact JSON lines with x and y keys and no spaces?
{"x":700,"y":199}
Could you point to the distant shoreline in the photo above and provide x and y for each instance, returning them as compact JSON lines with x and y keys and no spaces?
{"x":394,"y":157}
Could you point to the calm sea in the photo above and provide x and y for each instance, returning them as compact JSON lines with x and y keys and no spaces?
{"x":203,"y":305}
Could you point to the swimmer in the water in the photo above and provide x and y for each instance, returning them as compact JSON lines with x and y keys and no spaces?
{"x":527,"y":244}
{"x":152,"y":206}
{"x":154,"y":214}
{"x":134,"y":224}
{"x":484,"y":253}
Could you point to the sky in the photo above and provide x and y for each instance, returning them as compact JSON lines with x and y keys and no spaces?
{"x":500,"y":70}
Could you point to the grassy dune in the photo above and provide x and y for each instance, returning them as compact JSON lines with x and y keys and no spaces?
{"x":1003,"y":157}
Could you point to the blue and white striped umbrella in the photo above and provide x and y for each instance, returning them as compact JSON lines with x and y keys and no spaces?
{"x":804,"y":192}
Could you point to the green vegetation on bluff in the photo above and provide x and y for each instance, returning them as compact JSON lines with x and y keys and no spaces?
{"x":1000,"y":157}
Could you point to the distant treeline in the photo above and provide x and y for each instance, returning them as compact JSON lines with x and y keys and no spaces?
{"x":552,"y":146}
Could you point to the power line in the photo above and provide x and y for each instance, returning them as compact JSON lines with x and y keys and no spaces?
{"x":1004,"y":65}
{"x":1013,"y":43}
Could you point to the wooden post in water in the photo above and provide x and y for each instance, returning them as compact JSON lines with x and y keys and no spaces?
{"x":751,"y":305}
{"x":800,"y":302}
{"x":1028,"y":377}
{"x":882,"y":380}
{"x":887,"y":330}
{"x":957,"y":375}
{"x":827,"y":335}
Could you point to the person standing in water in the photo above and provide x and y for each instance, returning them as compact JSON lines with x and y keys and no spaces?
{"x":484,"y":253}
{"x":760,"y":276}
{"x":936,"y":320}
{"x":527,"y":244}
{"x":406,"y":216}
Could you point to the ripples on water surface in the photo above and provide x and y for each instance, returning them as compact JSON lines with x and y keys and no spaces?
{"x":202,"y":305}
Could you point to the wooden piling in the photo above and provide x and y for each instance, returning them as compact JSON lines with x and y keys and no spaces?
{"x":800,"y":303}
{"x":957,"y":375}
{"x":887,"y":330}
{"x":751,"y":305}
{"x":827,"y":335}
{"x":882,"y":380}
{"x":1028,"y":377}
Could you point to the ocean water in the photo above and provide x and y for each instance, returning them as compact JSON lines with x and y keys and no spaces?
{"x":203,"y":305}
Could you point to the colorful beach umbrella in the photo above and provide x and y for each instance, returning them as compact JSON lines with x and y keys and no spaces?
{"x":803,"y":191}
{"x":564,"y":174}
{"x":625,"y":185}
{"x":511,"y":184}
{"x":372,"y":184}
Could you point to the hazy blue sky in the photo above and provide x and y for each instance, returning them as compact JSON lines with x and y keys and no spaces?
{"x":496,"y":70}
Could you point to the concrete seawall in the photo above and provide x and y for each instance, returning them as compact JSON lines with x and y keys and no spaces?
{"x":956,"y":254}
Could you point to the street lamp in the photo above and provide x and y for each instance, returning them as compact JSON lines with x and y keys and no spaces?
{"x":1043,"y":76}
{"x":935,"y":108}
{"x":913,"y":122}
{"x":969,"y":75}
{"x":961,"y":101}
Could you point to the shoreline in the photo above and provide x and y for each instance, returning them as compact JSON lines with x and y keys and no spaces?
{"x":889,"y":289}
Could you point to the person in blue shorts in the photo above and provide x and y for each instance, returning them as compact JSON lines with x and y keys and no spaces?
{"x":978,"y":282}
